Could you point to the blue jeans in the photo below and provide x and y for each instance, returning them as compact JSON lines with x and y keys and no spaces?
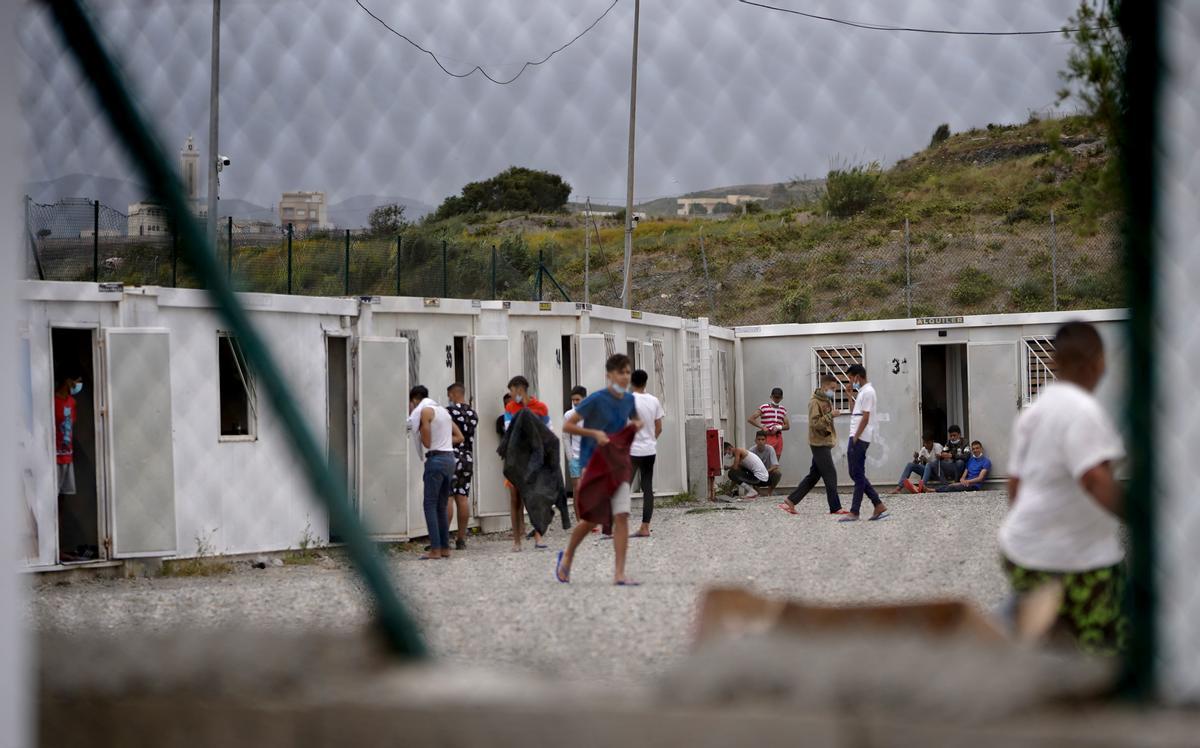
{"x":856,"y":455}
{"x":925,"y":470}
{"x":439,"y":474}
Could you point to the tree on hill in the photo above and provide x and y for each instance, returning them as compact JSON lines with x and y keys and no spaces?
{"x":515,"y":189}
{"x":1096,"y":62}
{"x":387,"y":219}
{"x":940,"y":135}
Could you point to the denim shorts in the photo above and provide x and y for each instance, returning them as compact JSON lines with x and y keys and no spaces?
{"x":574,"y":469}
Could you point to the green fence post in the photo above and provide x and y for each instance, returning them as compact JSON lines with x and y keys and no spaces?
{"x":399,"y":251}
{"x":346,"y":284}
{"x":538,"y":281}
{"x":445,"y":273}
{"x":493,"y":271}
{"x":229,"y":248}
{"x":95,"y":241}
{"x":290,"y":232}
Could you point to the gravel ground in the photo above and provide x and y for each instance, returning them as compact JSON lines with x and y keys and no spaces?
{"x":494,"y":607}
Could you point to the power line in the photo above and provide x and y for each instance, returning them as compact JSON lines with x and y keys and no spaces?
{"x":528,"y":63}
{"x":884,"y":27}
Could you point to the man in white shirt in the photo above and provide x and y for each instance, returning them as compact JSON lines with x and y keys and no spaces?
{"x":436,"y":433}
{"x":746,"y":469}
{"x":863,"y":430}
{"x":1063,"y":522}
{"x":645,"y":444}
{"x":573,"y":444}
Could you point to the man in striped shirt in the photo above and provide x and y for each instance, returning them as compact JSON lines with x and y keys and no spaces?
{"x":772,"y":418}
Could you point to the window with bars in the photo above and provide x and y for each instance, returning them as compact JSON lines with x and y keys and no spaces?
{"x":529,"y":358}
{"x":1039,"y":369}
{"x":238,"y":403}
{"x":693,"y":402}
{"x":836,"y":360}
{"x":414,"y":356}
{"x":610,"y":345}
{"x":722,"y":384}
{"x":659,"y":382}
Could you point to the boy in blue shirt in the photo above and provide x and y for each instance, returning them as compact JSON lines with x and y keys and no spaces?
{"x":978,"y":468}
{"x":606,"y":412}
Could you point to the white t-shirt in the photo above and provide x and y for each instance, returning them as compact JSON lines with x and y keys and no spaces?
{"x":649,"y":409}
{"x":755,"y":466}
{"x":865,"y":402}
{"x":441,"y":431}
{"x":574,"y":441}
{"x":1055,"y":525}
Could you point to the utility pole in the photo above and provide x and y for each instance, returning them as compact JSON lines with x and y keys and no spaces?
{"x":587,"y":251}
{"x":627,"y":286}
{"x":214,"y":89}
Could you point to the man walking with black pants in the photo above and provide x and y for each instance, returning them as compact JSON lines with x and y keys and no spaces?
{"x":863,"y":430}
{"x":645,"y":445}
{"x":822,"y":435}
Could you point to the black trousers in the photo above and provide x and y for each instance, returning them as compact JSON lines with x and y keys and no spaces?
{"x":822,"y":469}
{"x":644,"y":468}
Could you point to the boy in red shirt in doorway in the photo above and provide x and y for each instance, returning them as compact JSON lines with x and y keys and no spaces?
{"x":518,"y":390}
{"x":69,"y":385}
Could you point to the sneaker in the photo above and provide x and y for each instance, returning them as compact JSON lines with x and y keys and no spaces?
{"x":460,"y":545}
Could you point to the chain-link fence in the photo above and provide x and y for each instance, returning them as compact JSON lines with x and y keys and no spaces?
{"x":1007,"y":208}
{"x":790,"y":265}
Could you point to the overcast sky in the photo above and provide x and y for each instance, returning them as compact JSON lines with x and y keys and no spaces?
{"x":316,"y":95}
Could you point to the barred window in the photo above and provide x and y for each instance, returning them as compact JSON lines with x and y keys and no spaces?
{"x":1039,"y":369}
{"x":659,"y":382}
{"x":414,"y":356}
{"x":529,"y":358}
{"x":836,"y":360}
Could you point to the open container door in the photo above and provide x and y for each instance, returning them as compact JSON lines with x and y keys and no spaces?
{"x":383,"y":442}
{"x":489,"y":382}
{"x":141,"y":465}
{"x":593,"y":352}
{"x":993,"y":396}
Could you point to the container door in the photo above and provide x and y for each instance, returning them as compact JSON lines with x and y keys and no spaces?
{"x":141,"y":464}
{"x":490,"y":382}
{"x":993,"y":396}
{"x":593,"y":351}
{"x":383,"y":441}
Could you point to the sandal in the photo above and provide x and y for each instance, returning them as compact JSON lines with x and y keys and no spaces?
{"x":558,"y":570}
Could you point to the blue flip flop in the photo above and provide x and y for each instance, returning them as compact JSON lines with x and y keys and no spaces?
{"x":848,"y":518}
{"x":558,"y":570}
{"x":543,"y":545}
{"x":876,"y":517}
{"x":628,"y":583}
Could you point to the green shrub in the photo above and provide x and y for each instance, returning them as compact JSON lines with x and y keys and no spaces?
{"x":973,"y":286}
{"x":836,"y":258}
{"x":853,"y":189}
{"x":753,"y":207}
{"x":1032,"y":295}
{"x":796,"y":306}
{"x":940,"y":135}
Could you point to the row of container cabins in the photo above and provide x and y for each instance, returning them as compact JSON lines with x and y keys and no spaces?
{"x":178,"y":453}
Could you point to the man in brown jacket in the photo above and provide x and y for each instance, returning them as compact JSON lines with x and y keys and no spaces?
{"x":822,"y":435}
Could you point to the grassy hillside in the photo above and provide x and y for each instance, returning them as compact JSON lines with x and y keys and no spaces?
{"x":978,"y":205}
{"x":980,"y":241}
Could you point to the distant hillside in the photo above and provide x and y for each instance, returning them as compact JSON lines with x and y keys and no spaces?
{"x":778,"y":195}
{"x":980,"y":240}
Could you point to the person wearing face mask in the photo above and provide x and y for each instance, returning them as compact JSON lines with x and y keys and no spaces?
{"x":69,"y":385}
{"x":954,"y":456}
{"x":772,"y":418}
{"x":822,"y":436}
{"x":1063,"y":526}
{"x":863,"y":431}
{"x":604,"y":490}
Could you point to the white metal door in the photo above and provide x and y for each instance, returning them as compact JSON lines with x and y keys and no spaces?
{"x":593,"y":351}
{"x":491,"y":382}
{"x":141,"y":465}
{"x":383,"y":443}
{"x":993,"y":398}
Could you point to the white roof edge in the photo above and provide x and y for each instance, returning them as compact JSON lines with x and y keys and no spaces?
{"x":968,"y":321}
